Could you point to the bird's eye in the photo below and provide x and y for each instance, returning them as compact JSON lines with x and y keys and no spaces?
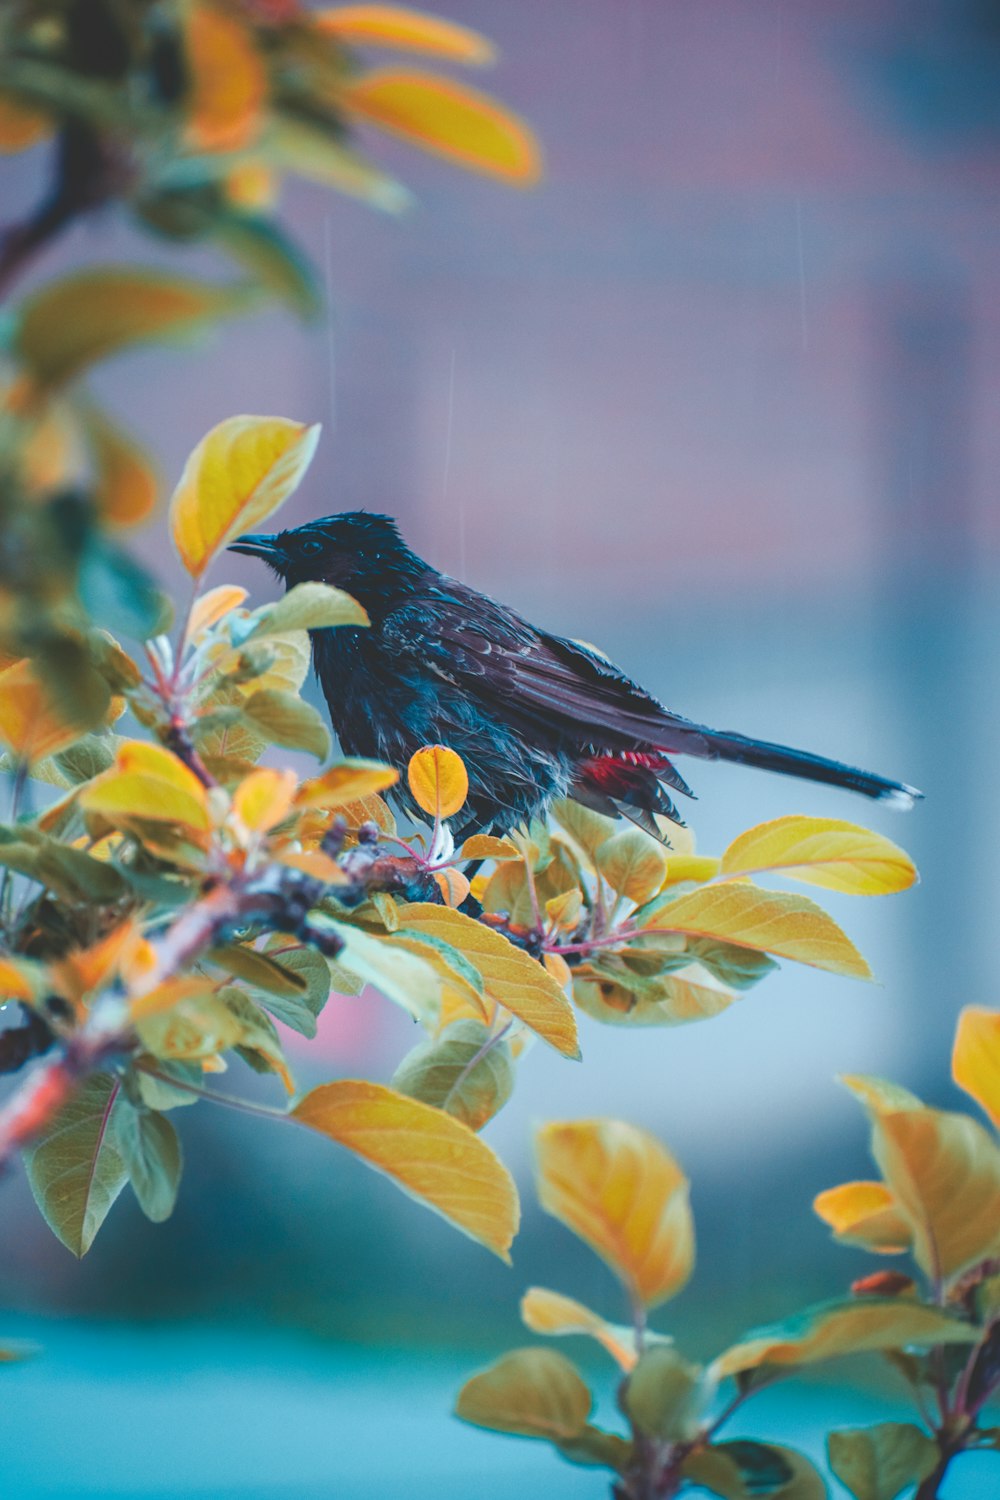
{"x":310,"y":547}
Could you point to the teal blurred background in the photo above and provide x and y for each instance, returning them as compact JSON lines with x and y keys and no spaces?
{"x":721,"y":396}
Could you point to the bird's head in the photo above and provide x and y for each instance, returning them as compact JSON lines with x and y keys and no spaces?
{"x":356,"y":550}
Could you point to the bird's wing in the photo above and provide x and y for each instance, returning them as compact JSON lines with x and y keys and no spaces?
{"x":487,"y":649}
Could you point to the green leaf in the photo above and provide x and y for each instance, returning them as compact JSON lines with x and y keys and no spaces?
{"x":451,"y":1072}
{"x":738,"y":968}
{"x":75,"y":876}
{"x":587,"y":829}
{"x":151,"y":1152}
{"x":595,"y":1448}
{"x":159,"y":1093}
{"x":274,"y":259}
{"x":633,"y":864}
{"x":89,"y":315}
{"x":76,"y":1171}
{"x":878,"y":1463}
{"x":285,"y":720}
{"x":396,"y":973}
{"x":261,"y":970}
{"x":114,"y":589}
{"x":529,"y":1392}
{"x":87,"y":758}
{"x":662,"y":1394}
{"x":746,"y":1470}
{"x":306,"y":606}
{"x":300,"y":1012}
{"x":835,"y":1328}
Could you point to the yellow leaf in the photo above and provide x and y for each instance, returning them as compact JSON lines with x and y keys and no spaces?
{"x":975,"y":1062}
{"x":156,"y":760}
{"x":485,"y":846}
{"x":212,"y":607}
{"x":622,"y":1193}
{"x":633,"y":864}
{"x":448,"y":119}
{"x":228,"y":87}
{"x":30,"y":726}
{"x":865,"y":1214}
{"x":551,"y":1313}
{"x":943,"y":1171}
{"x":344,"y":783}
{"x":20,"y":125}
{"x":69,"y":324}
{"x":183,"y":1019}
{"x":404,"y":30}
{"x":775,"y":922}
{"x":824,"y":851}
{"x":126,"y":481}
{"x":264,"y":798}
{"x":530,"y":1392}
{"x":453,"y":886}
{"x":697,"y":867}
{"x":240,"y":472}
{"x":429,"y":1154}
{"x":136,"y":796}
{"x":251,"y":187}
{"x":369,"y":808}
{"x":511,"y":978}
{"x":844,"y":1328}
{"x":438,"y":781}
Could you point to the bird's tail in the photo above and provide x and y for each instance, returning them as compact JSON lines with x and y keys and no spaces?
{"x":720,"y":745}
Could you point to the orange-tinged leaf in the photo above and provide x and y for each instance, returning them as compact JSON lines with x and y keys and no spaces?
{"x":126,"y":480}
{"x":511,"y":978}
{"x":252,"y":187}
{"x":551,"y":1313}
{"x":447,"y":119}
{"x":428,"y":1153}
{"x":975,"y":1062}
{"x":84,"y":969}
{"x":453,"y":886}
{"x":865,"y":1214}
{"x":404,"y":30}
{"x":777,"y":922}
{"x":559,"y":969}
{"x":228,"y":82}
{"x":30,"y":725}
{"x":69,"y":324}
{"x":212,"y":607}
{"x":438,"y":781}
{"x":15,"y":981}
{"x":156,"y":760}
{"x":315,"y":863}
{"x":264,"y":798}
{"x":943,"y":1171}
{"x":20,"y":125}
{"x":160,"y":998}
{"x":485,"y":846}
{"x":617,"y":1188}
{"x":239,"y":473}
{"x":345,"y":783}
{"x":838,"y":1328}
{"x":136,"y":796}
{"x":824,"y":851}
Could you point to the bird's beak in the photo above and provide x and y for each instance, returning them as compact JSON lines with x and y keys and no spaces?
{"x":258,"y":544}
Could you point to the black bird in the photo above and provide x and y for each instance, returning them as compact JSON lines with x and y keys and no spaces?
{"x":534,"y":716}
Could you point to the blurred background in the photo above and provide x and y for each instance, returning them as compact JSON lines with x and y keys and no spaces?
{"x":720,"y":396}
